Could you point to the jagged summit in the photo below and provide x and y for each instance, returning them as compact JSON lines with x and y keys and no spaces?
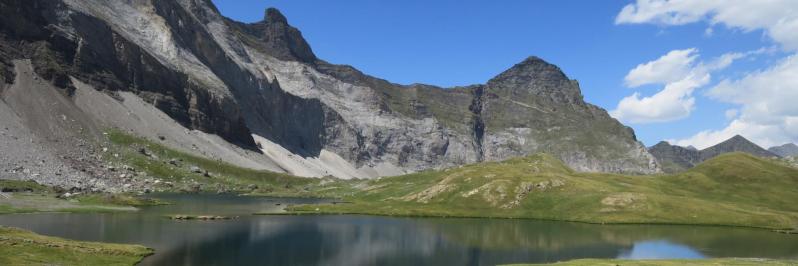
{"x":273,"y":15}
{"x":275,"y":37}
{"x":533,"y":60}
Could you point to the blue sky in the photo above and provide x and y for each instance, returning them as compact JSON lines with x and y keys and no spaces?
{"x":450,"y":43}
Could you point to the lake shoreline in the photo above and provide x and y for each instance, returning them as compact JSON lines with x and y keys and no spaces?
{"x":332,"y":213}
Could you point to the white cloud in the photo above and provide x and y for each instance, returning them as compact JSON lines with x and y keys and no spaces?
{"x":769,"y":106}
{"x":681,"y":74}
{"x":778,"y":18}
{"x":731,"y":114}
{"x":767,"y":99}
{"x":673,"y":66}
{"x":673,"y":102}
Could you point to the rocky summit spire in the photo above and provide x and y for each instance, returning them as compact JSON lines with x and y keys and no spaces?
{"x":277,"y":38}
{"x":273,"y":15}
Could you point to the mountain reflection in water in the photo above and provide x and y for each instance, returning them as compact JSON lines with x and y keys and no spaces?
{"x":373,"y":240}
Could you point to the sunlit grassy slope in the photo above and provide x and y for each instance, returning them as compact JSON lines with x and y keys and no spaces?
{"x":20,"y":247}
{"x":732,"y":189}
{"x":222,"y":176}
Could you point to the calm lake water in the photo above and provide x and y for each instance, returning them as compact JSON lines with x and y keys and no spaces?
{"x":372,"y":240}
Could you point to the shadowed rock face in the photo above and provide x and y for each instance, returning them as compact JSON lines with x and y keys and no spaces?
{"x":61,"y":43}
{"x":277,"y":38}
{"x":677,"y":158}
{"x":235,"y":79}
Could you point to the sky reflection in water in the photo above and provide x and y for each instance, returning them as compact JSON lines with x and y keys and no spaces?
{"x":372,"y":240}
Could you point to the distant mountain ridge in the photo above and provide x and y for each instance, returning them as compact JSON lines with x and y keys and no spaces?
{"x":676,"y":158}
{"x":786,"y":150}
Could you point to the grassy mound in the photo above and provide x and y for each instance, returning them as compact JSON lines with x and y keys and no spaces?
{"x":733,"y":189}
{"x":20,"y":247}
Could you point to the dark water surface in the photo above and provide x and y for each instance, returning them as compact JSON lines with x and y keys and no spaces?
{"x":372,"y":240}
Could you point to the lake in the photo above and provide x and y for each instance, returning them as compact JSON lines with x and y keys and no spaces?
{"x":374,"y":240}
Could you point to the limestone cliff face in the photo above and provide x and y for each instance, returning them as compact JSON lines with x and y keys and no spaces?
{"x":234,"y":79}
{"x":62,"y":42}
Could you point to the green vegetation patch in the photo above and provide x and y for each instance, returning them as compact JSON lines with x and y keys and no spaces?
{"x":190,"y":173}
{"x":48,"y":202}
{"x":21,"y":247}
{"x":732,"y":189}
{"x":22,"y":186}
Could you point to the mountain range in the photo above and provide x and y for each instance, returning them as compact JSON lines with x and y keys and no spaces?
{"x":786,"y":150}
{"x":255,"y":95}
{"x":675,"y":158}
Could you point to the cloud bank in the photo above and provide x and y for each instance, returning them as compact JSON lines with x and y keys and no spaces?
{"x":681,"y":73}
{"x":767,"y":99}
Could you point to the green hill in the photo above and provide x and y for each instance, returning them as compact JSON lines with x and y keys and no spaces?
{"x":732,"y":189}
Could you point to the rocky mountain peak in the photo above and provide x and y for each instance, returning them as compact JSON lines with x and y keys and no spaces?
{"x":275,"y":37}
{"x":738,"y":138}
{"x":273,"y":15}
{"x":537,"y":61}
{"x":735,"y":144}
{"x":532,"y":70}
{"x":538,"y":79}
{"x":662,"y":144}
